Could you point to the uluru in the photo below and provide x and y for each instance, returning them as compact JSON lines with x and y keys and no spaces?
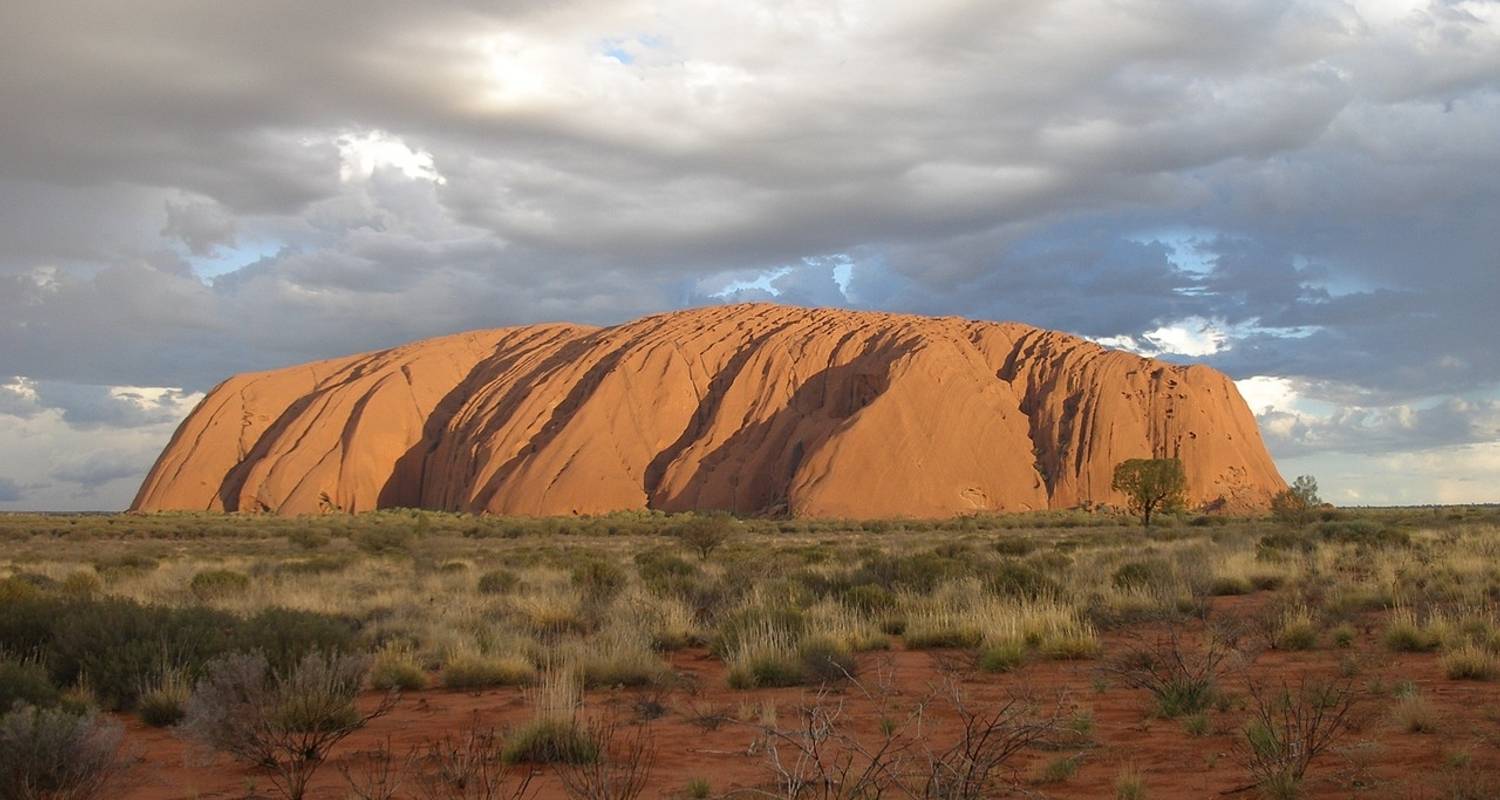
{"x":755,"y":409}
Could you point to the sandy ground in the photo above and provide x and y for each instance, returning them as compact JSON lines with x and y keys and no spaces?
{"x":1376,"y":760}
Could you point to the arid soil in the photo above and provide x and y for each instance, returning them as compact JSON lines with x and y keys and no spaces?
{"x":1375,"y":759}
{"x":758,"y":409}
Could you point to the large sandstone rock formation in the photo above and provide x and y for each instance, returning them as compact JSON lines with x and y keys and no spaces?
{"x":761,"y":409}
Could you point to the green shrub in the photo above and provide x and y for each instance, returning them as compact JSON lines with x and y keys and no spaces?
{"x":25,"y":682}
{"x":316,"y":565}
{"x":1014,"y":546}
{"x":498,"y":581}
{"x":125,"y":565}
{"x":1228,"y":585}
{"x":1018,"y":579}
{"x":1363,"y":532}
{"x":307,"y":538}
{"x":119,"y":645}
{"x":286,"y":636}
{"x":599,"y":580}
{"x":1146,"y":574}
{"x":81,"y":585}
{"x":869,"y":598}
{"x":384,"y":541}
{"x":217,"y":583}
{"x":824,"y":661}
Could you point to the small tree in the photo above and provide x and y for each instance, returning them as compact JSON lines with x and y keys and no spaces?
{"x":287,"y":722}
{"x":705,"y":533}
{"x":1294,"y":505}
{"x":1151,"y":485}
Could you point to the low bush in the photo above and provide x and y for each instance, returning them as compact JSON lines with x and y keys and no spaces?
{"x":286,"y":722}
{"x":869,"y":598}
{"x":823,"y":660}
{"x":599,"y":580}
{"x":384,"y":541}
{"x":25,"y":682}
{"x":498,"y":581}
{"x":52,"y":754}
{"x":217,"y":583}
{"x":1020,"y":580}
{"x":1147,"y":574}
{"x":119,"y":644}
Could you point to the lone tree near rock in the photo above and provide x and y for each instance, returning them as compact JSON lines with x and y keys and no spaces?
{"x":705,"y":533}
{"x":1151,"y":485}
{"x":1295,"y":504}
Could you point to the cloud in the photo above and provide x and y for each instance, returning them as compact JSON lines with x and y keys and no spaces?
{"x":1298,"y":190}
{"x":1451,"y":421}
{"x":101,"y":469}
{"x":202,"y":226}
{"x":10,"y":491}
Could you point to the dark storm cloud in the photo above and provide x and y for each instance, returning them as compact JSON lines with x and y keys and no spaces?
{"x":387,"y":171}
{"x":10,"y":491}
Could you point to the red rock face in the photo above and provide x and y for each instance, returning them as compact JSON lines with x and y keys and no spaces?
{"x":759,"y":409}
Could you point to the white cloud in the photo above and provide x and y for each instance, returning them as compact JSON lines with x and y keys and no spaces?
{"x":83,"y":448}
{"x":362,"y":154}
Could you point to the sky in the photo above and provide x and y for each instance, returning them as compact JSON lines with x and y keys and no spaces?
{"x":1302,"y":194}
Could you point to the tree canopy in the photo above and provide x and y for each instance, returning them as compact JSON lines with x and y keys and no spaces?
{"x":1151,"y":485}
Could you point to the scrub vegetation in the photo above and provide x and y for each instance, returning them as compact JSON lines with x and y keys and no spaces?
{"x":223,"y":629}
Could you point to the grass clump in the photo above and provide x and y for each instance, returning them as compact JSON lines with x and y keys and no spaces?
{"x":1002,"y":657}
{"x":1130,"y":784}
{"x":553,"y":735}
{"x":1059,"y":769}
{"x":1405,"y":635}
{"x":479,"y":671}
{"x":1295,"y":630}
{"x":1470,"y":663}
{"x":1413,"y":714}
{"x":397,"y":668}
{"x":162,"y":703}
